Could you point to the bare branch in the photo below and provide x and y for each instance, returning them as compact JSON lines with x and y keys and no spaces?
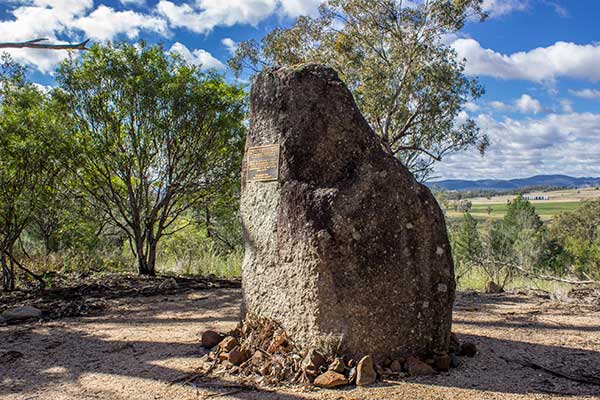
{"x":35,"y":44}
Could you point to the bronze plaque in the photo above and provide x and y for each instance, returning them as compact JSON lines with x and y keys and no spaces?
{"x":263,"y":163}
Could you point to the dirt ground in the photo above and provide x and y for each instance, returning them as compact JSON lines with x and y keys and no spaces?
{"x":135,"y":348}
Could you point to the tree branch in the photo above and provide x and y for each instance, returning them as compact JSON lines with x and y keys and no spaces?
{"x":34,"y":44}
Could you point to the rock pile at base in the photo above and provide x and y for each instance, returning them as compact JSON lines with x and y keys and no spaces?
{"x":262,"y":353}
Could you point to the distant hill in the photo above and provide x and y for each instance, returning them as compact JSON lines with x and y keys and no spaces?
{"x":554,"y":181}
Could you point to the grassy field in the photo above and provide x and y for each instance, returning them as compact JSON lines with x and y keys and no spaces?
{"x":560,"y":201}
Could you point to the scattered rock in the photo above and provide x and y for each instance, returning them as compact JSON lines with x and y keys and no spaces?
{"x":493,"y":287}
{"x":265,"y":370}
{"x":330,"y":379}
{"x":238,"y":356}
{"x":228,"y":344}
{"x":441,"y":362}
{"x":312,"y":363}
{"x":365,"y":372}
{"x":396,"y":366}
{"x":337,"y":366}
{"x":468,"y":349}
{"x":21,"y":313}
{"x":223,"y":356}
{"x":455,"y":361}
{"x":279,"y":344}
{"x":417,"y":367}
{"x":210,"y":339}
{"x":168,"y":284}
{"x":259,"y":358}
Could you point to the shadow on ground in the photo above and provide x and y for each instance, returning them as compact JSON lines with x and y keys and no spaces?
{"x":56,"y":354}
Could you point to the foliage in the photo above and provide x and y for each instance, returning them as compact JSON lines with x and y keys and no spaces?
{"x":466,"y":244}
{"x":31,"y":145}
{"x":578,"y":233}
{"x":407,"y":81}
{"x":153,"y":138}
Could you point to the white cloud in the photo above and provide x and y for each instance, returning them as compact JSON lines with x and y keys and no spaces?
{"x":586,"y":93}
{"x":524,"y":104}
{"x":230,"y":44}
{"x":556,"y":143}
{"x":472,"y":107}
{"x":204,"y":15}
{"x":497,"y":8}
{"x":198,"y":57}
{"x":294,"y":8}
{"x":561,"y":59}
{"x":500,"y":106}
{"x":104,"y":23}
{"x":63,"y":21}
{"x":527,"y":104}
{"x":133,"y":2}
{"x":566,"y":106}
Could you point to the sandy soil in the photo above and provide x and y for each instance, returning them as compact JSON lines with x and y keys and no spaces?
{"x":137,"y":346}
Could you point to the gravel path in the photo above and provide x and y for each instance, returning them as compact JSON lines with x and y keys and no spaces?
{"x":137,"y":346}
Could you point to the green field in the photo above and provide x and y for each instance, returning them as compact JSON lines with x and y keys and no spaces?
{"x":545,"y":210}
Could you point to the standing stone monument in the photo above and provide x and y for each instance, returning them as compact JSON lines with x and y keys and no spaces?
{"x":342,"y":244}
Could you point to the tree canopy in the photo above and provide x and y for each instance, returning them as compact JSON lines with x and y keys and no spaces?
{"x":394,"y":56}
{"x":153,"y":137}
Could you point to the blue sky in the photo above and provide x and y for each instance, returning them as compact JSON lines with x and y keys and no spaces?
{"x":539,"y":61}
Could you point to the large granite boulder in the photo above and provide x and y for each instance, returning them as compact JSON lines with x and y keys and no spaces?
{"x":344,"y":248}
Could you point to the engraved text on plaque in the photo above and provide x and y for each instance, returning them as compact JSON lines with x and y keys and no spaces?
{"x":263,"y":163}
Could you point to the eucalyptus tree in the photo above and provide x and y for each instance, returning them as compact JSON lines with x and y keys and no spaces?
{"x":396,"y":58}
{"x":154,"y":137}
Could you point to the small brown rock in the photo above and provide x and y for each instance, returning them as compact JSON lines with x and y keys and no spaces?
{"x":210,"y":339}
{"x":228,"y":344}
{"x":312,"y":363}
{"x":237,"y":355}
{"x":279,"y":344}
{"x":417,"y":367}
{"x":337,"y":366}
{"x":441,"y":362}
{"x":330,"y":379}
{"x":468,"y":349}
{"x":365,"y":372}
{"x":258,"y":358}
{"x":265,"y":370}
{"x":223,"y":356}
{"x":396,"y":366}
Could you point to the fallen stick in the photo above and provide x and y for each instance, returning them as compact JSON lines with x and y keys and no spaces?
{"x":531,"y":364}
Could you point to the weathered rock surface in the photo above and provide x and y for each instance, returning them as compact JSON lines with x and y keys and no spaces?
{"x":330,"y":379}
{"x":228,"y":343}
{"x":346,"y":246}
{"x":21,"y":313}
{"x":312,"y":363}
{"x":365,"y":372}
{"x":210,"y":339}
{"x":416,"y":367}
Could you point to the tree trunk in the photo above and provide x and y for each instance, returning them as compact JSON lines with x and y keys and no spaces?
{"x":8,"y":273}
{"x":146,"y":260}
